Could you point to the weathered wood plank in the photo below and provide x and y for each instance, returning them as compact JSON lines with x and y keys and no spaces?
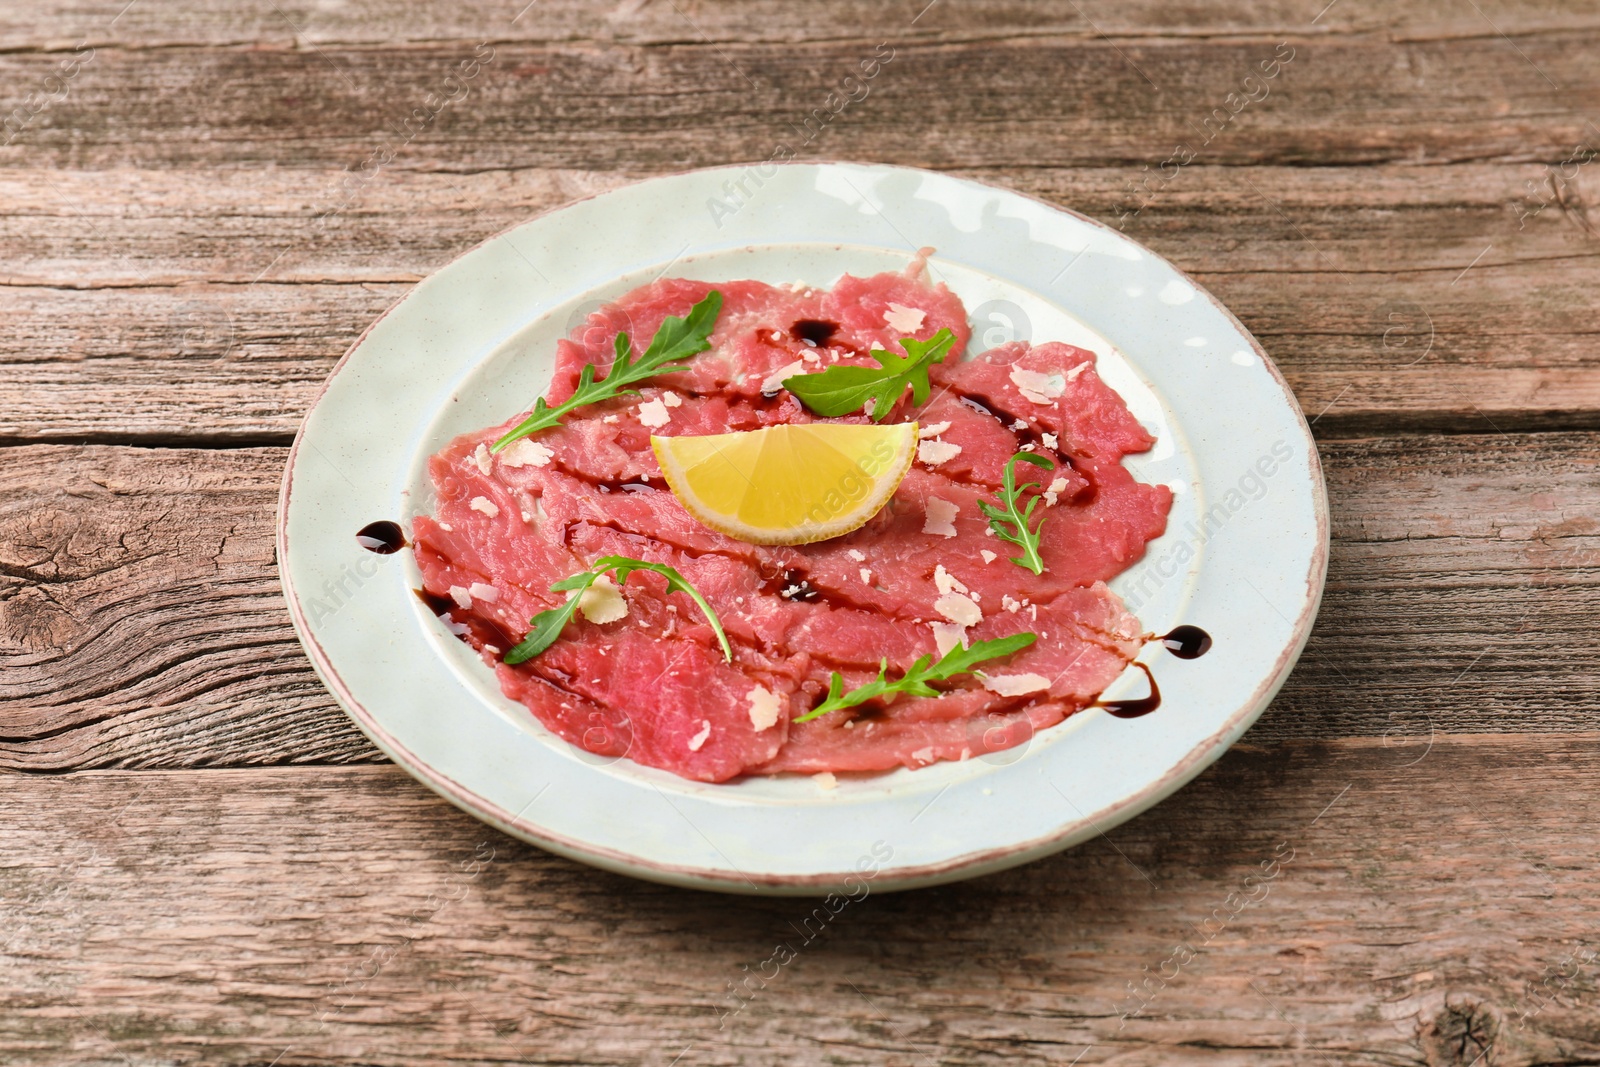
{"x":140,"y":624}
{"x":141,"y":613}
{"x":58,"y":23}
{"x":162,"y":304}
{"x":1009,"y":102}
{"x":347,"y":916}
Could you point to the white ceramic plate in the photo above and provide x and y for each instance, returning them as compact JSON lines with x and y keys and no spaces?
{"x":1243,"y":557}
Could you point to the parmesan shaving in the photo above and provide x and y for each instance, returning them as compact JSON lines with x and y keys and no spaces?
{"x":765,"y":707}
{"x":526,"y":453}
{"x":940,"y":517}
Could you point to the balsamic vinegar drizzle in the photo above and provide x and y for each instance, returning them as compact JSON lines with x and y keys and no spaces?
{"x":1185,"y":642}
{"x":439,"y":605}
{"x":382,"y":537}
{"x":487,"y":631}
{"x":1132,"y":709}
{"x":814,"y":332}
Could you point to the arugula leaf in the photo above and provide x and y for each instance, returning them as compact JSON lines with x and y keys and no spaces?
{"x":842,"y":390}
{"x":1010,"y":523}
{"x":962,"y":660}
{"x":623,"y":566}
{"x":915,"y":681}
{"x":548,"y":624}
{"x":675,"y":339}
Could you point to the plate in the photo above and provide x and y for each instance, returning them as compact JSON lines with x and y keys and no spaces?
{"x":1243,"y":557}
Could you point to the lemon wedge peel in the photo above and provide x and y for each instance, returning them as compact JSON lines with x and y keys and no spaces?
{"x":791,"y":484}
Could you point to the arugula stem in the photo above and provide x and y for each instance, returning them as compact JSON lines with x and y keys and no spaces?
{"x":1010,"y":522}
{"x":548,"y":624}
{"x":675,"y":339}
{"x":915,"y":681}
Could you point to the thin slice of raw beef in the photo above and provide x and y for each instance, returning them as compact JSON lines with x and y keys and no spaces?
{"x":922,"y":574}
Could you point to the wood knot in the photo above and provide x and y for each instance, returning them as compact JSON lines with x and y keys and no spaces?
{"x":1462,"y":1033}
{"x":31,"y":620}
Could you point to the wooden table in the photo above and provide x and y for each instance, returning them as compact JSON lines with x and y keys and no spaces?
{"x":203,"y":862}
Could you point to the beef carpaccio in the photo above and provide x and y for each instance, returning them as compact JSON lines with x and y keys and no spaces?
{"x":654,"y":685}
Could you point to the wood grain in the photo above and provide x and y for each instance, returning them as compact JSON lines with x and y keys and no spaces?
{"x":347,"y":916}
{"x":142,"y":620}
{"x":204,"y":863}
{"x":54,"y":24}
{"x":140,"y":623}
{"x":1008,"y":102}
{"x":168,"y":306}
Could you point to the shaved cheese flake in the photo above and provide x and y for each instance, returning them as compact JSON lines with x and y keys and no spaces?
{"x":700,"y":738}
{"x":671,"y":399}
{"x":480,"y":456}
{"x":947,"y":635}
{"x":653,"y":413}
{"x":857,"y":555}
{"x":958,"y":609}
{"x":460,"y":595}
{"x":1072,"y":375}
{"x":866,"y":576}
{"x":904,"y":319}
{"x":526,"y":453}
{"x":765,"y":707}
{"x":485,"y":505}
{"x":1015,"y":685}
{"x":774,"y":381}
{"x":933,"y":429}
{"x":988,"y":557}
{"x":1037,"y":387}
{"x":825,"y":779}
{"x":602,"y":602}
{"x":486,"y":593}
{"x":934,"y":453}
{"x":947,"y":582}
{"x":940,"y":517}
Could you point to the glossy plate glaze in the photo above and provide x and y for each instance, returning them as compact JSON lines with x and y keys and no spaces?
{"x":1243,"y":557}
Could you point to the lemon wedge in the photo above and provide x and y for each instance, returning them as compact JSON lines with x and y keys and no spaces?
{"x":791,"y":484}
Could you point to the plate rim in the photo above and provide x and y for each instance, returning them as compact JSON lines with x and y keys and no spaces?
{"x":969,"y":864}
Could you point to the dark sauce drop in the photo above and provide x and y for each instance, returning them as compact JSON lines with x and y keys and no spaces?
{"x":488,"y":632}
{"x":383,"y":537}
{"x":439,"y":605}
{"x":814,"y":332}
{"x":1132,"y":709}
{"x":485,"y":631}
{"x":1187,"y":642}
